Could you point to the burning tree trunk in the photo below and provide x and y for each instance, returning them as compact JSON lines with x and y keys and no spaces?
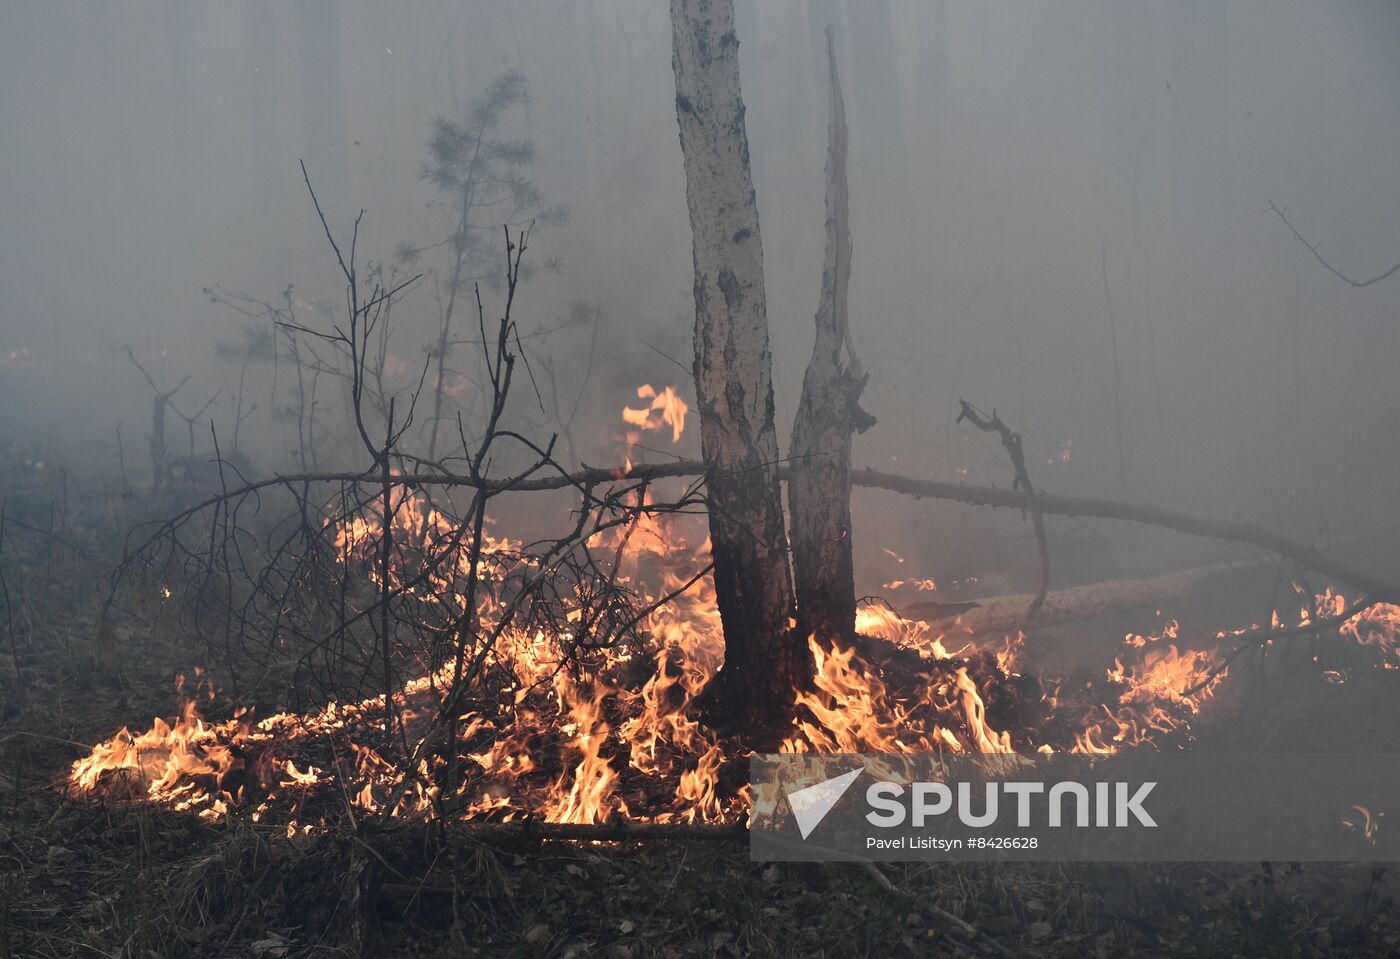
{"x":764,"y":659}
{"x":819,"y":484}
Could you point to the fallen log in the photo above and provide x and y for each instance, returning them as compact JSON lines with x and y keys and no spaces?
{"x":1001,"y":614}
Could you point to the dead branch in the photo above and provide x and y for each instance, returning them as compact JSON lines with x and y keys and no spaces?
{"x":1012,"y":442}
{"x":1313,"y":249}
{"x":1308,"y":557}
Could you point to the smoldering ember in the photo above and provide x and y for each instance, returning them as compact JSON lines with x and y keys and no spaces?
{"x":442,"y":445}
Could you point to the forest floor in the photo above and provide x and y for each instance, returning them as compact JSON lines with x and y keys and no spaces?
{"x":79,"y":878}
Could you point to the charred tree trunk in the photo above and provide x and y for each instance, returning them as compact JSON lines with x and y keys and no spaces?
{"x":764,"y":660}
{"x":819,"y":483}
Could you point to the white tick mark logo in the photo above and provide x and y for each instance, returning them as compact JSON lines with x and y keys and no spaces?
{"x":811,"y":804}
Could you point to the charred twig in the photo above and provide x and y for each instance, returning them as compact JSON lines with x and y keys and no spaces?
{"x":1258,"y":638}
{"x":386,"y":549}
{"x":1012,"y":442}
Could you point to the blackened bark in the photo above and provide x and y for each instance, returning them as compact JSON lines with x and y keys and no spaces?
{"x":819,"y":484}
{"x":765,"y":661}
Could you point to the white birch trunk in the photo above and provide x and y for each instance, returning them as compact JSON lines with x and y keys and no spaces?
{"x":765,"y":661}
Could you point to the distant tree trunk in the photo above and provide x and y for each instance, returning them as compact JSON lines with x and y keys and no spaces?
{"x":158,"y":447}
{"x":819,"y":484}
{"x":765,"y":660}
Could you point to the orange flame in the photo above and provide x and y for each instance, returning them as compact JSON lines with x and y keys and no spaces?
{"x":665,"y":409}
{"x":621,"y":738}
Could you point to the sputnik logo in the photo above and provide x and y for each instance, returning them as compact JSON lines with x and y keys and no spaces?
{"x":811,"y":803}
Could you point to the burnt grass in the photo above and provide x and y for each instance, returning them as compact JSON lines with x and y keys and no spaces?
{"x":89,"y":878}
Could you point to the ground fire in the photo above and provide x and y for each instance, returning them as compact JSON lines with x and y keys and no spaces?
{"x":622,"y":743}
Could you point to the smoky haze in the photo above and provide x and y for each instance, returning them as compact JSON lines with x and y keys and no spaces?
{"x":1060,"y":210}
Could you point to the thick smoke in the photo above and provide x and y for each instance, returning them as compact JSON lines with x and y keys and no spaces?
{"x":1062,"y":211}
